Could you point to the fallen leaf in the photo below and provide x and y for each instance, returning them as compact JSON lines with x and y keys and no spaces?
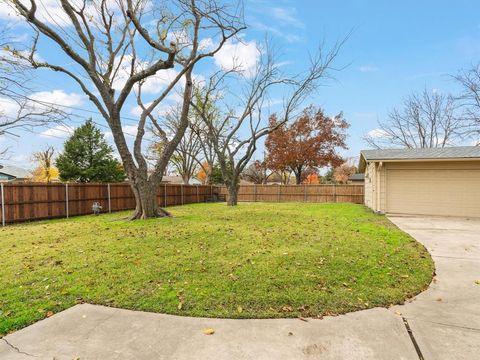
{"x":239,"y":309}
{"x":302,"y":318}
{"x":180,"y":305}
{"x":398,"y":313}
{"x":477,"y":282}
{"x":208,"y":331}
{"x":290,"y":333}
{"x":50,"y":313}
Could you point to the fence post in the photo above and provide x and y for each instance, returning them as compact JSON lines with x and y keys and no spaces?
{"x":66,"y":199}
{"x":211,"y":192}
{"x":181,"y":193}
{"x":165,"y":194}
{"x":109,"y":199}
{"x":3,"y":205}
{"x":305,"y":192}
{"x":198,"y":198}
{"x":334,"y":193}
{"x":278,"y":193}
{"x":254,"y":192}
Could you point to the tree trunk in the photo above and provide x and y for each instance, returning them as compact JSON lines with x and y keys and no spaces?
{"x":186,"y":179}
{"x":233,"y":194}
{"x":298,"y":177}
{"x":146,"y":201}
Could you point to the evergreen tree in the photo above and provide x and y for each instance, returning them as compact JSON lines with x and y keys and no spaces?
{"x":216,"y":176}
{"x":88,"y":158}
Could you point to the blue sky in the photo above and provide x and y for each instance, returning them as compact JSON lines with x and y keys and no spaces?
{"x":394,"y":48}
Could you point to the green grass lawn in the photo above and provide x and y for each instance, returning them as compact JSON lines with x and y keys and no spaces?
{"x":256,"y":260}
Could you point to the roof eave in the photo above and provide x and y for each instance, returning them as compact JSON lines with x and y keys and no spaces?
{"x":423,"y":159}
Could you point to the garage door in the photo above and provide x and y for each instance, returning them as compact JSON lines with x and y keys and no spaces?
{"x":433,"y":192}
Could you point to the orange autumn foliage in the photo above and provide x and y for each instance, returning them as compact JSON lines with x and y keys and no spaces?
{"x":201,"y":174}
{"x":312,"y":179}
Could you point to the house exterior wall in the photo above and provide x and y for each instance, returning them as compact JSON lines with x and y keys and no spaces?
{"x":448,"y":188}
{"x":369,"y":185}
{"x":375,"y":186}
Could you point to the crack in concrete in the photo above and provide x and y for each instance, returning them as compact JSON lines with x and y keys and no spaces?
{"x":412,"y":338}
{"x":446,"y":324}
{"x":17,"y":349}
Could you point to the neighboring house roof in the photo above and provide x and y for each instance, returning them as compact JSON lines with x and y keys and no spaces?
{"x":179,"y":180}
{"x":14,"y":171}
{"x":245,"y":182}
{"x":446,"y":153}
{"x":357,"y":177}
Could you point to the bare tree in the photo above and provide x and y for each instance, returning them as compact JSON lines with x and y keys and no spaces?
{"x":17,"y":110}
{"x":116,"y":47}
{"x":45,"y":170}
{"x":205,"y":156}
{"x":469,"y":99}
{"x":257,"y":172}
{"x":186,"y":155}
{"x":242,"y":121}
{"x":427,"y":120}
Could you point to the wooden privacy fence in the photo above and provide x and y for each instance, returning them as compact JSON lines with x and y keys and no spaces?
{"x":305,"y":193}
{"x":35,"y":201}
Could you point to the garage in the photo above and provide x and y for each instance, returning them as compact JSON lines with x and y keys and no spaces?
{"x":442,"y":182}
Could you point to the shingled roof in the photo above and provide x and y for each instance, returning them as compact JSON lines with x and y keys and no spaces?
{"x":14,"y":171}
{"x":458,"y":152}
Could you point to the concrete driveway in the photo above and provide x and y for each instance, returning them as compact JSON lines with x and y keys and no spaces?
{"x":444,"y":321}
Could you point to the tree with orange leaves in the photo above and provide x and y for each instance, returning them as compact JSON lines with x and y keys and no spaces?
{"x":310,"y":142}
{"x":312,"y":179}
{"x":202,"y":172}
{"x":342,"y":173}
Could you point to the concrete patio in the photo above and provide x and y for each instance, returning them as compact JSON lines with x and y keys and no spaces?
{"x":444,"y":321}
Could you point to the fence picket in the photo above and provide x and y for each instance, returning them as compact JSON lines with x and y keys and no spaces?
{"x":61,"y":200}
{"x":312,"y":193}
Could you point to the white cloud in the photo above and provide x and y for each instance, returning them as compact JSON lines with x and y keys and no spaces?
{"x":377,"y":133}
{"x":288,"y":37}
{"x":8,"y":107}
{"x":368,"y":68}
{"x":61,"y":131}
{"x":130,"y":129}
{"x":287,"y":16}
{"x":156,"y":83}
{"x":40,"y":101}
{"x":58,"y":97}
{"x":206,"y":44}
{"x":243,"y":55}
{"x":48,"y":11}
{"x":52,"y":13}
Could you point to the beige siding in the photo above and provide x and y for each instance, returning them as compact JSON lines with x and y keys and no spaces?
{"x":369,"y":179}
{"x":433,"y":188}
{"x":382,"y":189}
{"x":375,"y":186}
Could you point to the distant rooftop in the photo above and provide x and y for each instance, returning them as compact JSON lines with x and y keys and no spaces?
{"x":457,"y":152}
{"x":175,"y":179}
{"x":14,"y":171}
{"x":357,"y":177}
